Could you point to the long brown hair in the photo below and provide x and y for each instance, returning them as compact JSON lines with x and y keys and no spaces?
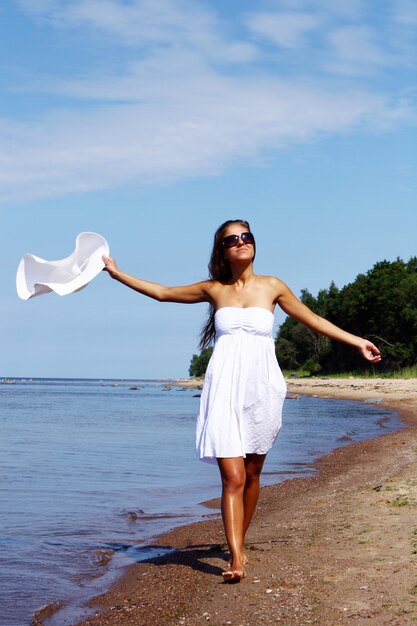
{"x":219,"y":269}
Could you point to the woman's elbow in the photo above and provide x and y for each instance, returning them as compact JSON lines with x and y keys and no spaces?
{"x":163,"y":294}
{"x":316,"y":323}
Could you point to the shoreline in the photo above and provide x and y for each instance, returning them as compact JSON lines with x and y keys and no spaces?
{"x":299,"y":564}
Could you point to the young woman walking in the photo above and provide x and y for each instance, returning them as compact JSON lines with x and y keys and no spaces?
{"x":244,"y":389}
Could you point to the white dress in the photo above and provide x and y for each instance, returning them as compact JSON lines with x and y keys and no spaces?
{"x":244,"y":389}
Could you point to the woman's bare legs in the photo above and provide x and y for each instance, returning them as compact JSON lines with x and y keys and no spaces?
{"x":233,"y":475}
{"x":253,"y":467}
{"x":240,"y":491}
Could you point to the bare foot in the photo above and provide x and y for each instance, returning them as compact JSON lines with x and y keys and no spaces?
{"x":236,"y":570}
{"x":234,"y":576}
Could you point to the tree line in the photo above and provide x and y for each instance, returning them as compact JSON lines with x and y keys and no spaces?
{"x":380,"y":305}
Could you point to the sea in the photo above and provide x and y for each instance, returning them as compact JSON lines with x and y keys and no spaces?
{"x":92,"y":470}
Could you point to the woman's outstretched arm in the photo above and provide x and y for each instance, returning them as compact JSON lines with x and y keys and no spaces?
{"x":187,"y":294}
{"x":291,"y":305}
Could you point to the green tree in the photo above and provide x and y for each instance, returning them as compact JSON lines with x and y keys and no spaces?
{"x":380,"y":305}
{"x":296,"y":345}
{"x":199,"y":362}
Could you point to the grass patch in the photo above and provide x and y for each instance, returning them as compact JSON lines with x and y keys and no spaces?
{"x":297,"y":374}
{"x":404,"y":372}
{"x":401,"y":501}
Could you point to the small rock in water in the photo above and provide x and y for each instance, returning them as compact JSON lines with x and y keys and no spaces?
{"x":134,"y":515}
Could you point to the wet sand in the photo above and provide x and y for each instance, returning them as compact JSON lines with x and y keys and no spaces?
{"x":336,"y":548}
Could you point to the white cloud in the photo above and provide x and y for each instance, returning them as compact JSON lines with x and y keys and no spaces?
{"x":192,"y":126}
{"x":356,"y":50}
{"x":335,"y":41}
{"x":191,"y":100}
{"x":140,"y":23}
{"x":283,"y":29}
{"x":405,"y":12}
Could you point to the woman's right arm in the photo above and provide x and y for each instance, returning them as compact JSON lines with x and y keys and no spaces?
{"x":186,"y":294}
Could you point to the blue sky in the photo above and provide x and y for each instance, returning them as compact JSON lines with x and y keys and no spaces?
{"x":151,"y":122}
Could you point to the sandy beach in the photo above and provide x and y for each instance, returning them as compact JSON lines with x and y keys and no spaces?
{"x":336,"y":548}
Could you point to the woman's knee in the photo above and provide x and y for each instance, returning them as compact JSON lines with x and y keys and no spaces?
{"x":233,"y":477}
{"x":253,"y":469}
{"x":234,"y":482}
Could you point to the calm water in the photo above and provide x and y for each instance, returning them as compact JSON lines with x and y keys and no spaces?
{"x":92,"y":467}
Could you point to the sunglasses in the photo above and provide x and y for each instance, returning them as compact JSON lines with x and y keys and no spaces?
{"x":231,"y":240}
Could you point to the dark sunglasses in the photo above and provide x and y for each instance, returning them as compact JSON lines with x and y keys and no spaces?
{"x":231,"y":240}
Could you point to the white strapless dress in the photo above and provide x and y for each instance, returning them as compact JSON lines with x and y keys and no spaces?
{"x":244,"y":389}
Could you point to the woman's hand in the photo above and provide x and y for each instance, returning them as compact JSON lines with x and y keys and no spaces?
{"x":110,"y":266}
{"x":369,"y":351}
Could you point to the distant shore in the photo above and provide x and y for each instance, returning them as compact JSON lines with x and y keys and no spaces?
{"x":388,"y":389}
{"x":336,"y":548}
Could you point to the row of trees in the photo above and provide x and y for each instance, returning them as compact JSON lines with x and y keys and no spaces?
{"x":380,"y":305}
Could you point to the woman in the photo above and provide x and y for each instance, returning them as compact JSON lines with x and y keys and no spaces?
{"x":243,"y":393}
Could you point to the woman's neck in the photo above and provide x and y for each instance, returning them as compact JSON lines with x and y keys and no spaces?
{"x":242,"y":274}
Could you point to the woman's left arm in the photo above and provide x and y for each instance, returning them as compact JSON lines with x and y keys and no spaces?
{"x":291,"y":305}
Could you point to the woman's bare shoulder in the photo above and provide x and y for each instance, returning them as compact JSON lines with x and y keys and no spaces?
{"x":273,"y":281}
{"x":212,"y":288}
{"x":211,"y":285}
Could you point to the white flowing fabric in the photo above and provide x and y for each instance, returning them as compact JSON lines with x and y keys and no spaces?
{"x":244,"y":389}
{"x":35,"y":276}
